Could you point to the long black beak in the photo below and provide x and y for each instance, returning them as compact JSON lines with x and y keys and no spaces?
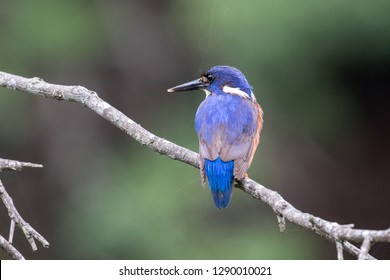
{"x":193,"y":85}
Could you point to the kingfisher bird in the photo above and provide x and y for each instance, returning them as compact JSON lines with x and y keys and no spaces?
{"x":228,"y":123}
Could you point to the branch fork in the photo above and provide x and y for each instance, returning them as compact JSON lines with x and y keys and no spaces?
{"x":16,"y":219}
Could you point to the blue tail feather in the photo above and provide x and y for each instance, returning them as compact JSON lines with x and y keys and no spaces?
{"x":220,"y":176}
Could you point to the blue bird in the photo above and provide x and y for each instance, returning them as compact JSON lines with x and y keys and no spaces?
{"x":228,"y":123}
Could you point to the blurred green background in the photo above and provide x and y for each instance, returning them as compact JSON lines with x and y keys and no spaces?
{"x":319,"y":69}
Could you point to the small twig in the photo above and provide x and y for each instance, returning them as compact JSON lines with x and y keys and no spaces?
{"x":346,"y":232}
{"x":14,"y":165}
{"x":16,"y":219}
{"x":365,"y":248}
{"x":353,"y":250}
{"x":281,"y":222}
{"x":11,"y":250}
{"x":11,"y":231}
{"x":29,"y":232}
{"x":339,"y":248}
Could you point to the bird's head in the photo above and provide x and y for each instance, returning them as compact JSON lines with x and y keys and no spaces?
{"x":219,"y":80}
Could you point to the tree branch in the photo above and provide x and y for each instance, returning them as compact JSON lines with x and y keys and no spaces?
{"x":14,"y":165}
{"x":11,"y":250}
{"x":338,"y":234}
{"x":16,"y":219}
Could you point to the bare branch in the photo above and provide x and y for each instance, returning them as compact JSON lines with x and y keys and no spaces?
{"x":331,"y":231}
{"x":334,"y":232}
{"x":11,"y":250}
{"x":339,"y":248}
{"x":11,"y":231}
{"x":366,"y":245}
{"x":14,"y":165}
{"x":90,"y":99}
{"x":16,"y":219}
{"x":29,"y":232}
{"x":281,"y":222}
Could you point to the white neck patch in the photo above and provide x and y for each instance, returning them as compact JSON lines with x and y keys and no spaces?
{"x":239,"y":92}
{"x":207,"y":92}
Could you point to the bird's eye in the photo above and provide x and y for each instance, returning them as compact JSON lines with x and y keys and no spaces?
{"x":210,"y":78}
{"x":207,"y":78}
